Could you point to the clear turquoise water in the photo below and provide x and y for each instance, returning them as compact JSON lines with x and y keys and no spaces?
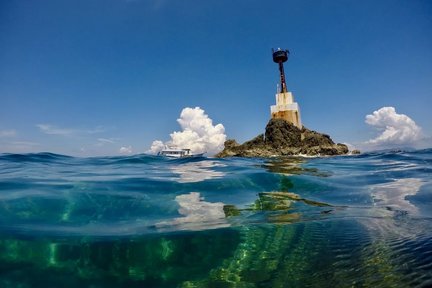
{"x":143,"y":221}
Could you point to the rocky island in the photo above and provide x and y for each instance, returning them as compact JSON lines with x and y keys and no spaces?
{"x":282,"y":138}
{"x":285,"y":134}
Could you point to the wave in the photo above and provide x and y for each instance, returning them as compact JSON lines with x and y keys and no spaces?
{"x":63,"y":191}
{"x":42,"y":157}
{"x":149,"y":221}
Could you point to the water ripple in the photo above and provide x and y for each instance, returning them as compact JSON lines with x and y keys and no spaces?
{"x":145,"y":221}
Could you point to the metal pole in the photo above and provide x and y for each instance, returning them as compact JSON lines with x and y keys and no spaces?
{"x":282,"y":78}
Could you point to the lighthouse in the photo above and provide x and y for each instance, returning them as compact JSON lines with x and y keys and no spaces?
{"x":285,"y":107}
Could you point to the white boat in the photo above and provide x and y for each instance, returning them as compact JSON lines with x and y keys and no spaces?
{"x":178,"y":153}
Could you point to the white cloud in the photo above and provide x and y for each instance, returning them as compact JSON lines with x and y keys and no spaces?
{"x":96,"y":130}
{"x":126,"y":150}
{"x":105,"y":141}
{"x":19,"y":147}
{"x":7,"y":133}
{"x":54,"y":130}
{"x":198,"y":133}
{"x":156,"y":147}
{"x":396,"y":129}
{"x":101,"y":142}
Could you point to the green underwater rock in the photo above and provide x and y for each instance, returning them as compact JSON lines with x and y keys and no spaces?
{"x":154,"y":261}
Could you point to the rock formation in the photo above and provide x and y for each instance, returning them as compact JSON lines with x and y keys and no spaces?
{"x":282,"y":138}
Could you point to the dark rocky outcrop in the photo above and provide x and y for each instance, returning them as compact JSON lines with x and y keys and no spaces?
{"x":282,"y":138}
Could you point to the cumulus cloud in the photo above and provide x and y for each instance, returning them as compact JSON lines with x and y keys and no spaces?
{"x":126,"y":150}
{"x":396,"y":129}
{"x":198,"y":133}
{"x":157,"y":146}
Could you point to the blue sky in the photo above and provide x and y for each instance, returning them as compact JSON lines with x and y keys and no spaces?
{"x":89,"y":77}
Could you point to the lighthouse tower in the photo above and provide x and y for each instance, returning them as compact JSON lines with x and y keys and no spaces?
{"x":285,"y":107}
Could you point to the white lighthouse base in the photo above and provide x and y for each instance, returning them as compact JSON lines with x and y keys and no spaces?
{"x":286,"y":109}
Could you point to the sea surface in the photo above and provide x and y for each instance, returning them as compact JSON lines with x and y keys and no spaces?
{"x":146,"y":221}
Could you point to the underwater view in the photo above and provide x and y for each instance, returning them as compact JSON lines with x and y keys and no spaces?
{"x":147,"y":221}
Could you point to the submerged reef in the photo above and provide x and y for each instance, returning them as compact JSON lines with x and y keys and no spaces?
{"x":282,"y":138}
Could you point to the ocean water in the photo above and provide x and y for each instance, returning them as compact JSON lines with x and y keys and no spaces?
{"x":144,"y":221}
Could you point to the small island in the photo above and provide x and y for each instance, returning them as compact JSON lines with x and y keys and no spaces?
{"x":284,"y":134}
{"x":283,"y":138}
